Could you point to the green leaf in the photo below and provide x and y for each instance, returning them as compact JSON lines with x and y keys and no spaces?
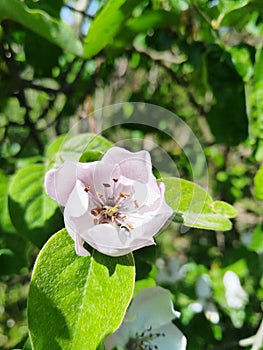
{"x":42,"y":24}
{"x":106,"y":25}
{"x":75,"y":302}
{"x":227,"y":6}
{"x":34,"y":215}
{"x":5,"y":221}
{"x":68,"y":147}
{"x":258,"y":183}
{"x":224,"y":209}
{"x":242,"y":59}
{"x":27,"y":345}
{"x":256,"y":243}
{"x":90,"y":156}
{"x":13,"y":252}
{"x":152,"y":19}
{"x":195,"y":205}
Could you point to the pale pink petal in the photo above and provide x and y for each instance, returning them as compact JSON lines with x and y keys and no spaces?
{"x":150,"y":223}
{"x":69,"y":227}
{"x":80,"y":250}
{"x":78,"y":224}
{"x":106,"y":239}
{"x":100,"y":174}
{"x":156,"y":200}
{"x":78,"y":201}
{"x":136,"y":166}
{"x":59,"y":183}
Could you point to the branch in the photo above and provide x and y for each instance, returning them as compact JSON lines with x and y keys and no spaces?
{"x":83,"y":13}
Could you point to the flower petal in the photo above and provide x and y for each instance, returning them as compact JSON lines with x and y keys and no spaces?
{"x":156,"y":309}
{"x":151,"y":309}
{"x":134,"y":165}
{"x":78,"y":201}
{"x":80,"y":250}
{"x":149,"y":223}
{"x":107,"y":240}
{"x":173,"y":338}
{"x":101,"y":173}
{"x":59,"y":183}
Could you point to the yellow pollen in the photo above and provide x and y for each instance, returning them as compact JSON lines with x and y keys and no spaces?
{"x":110,"y":211}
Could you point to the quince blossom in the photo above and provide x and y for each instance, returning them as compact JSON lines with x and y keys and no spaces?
{"x":147,"y":324}
{"x":115,"y":204}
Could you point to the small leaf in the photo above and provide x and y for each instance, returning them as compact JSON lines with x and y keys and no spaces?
{"x":90,"y":156}
{"x":75,"y":302}
{"x":34,"y":215}
{"x":42,"y":24}
{"x":194,"y":204}
{"x":223,"y":208}
{"x":7,"y":252}
{"x":258,"y":183}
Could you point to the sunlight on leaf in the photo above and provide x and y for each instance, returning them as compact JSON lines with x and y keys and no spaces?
{"x":196,"y":206}
{"x":74,"y":302}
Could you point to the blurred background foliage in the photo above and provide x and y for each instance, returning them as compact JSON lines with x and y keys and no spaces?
{"x":203,"y":61}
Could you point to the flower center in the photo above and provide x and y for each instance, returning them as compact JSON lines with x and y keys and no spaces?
{"x":112,"y":206}
{"x":143,"y":341}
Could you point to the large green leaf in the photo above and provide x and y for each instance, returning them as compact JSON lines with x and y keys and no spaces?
{"x":74,"y":302}
{"x":106,"y":25}
{"x":196,"y":205}
{"x":42,"y":24}
{"x":33,"y":213}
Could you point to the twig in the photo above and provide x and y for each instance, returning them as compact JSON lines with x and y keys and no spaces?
{"x":83,"y":13}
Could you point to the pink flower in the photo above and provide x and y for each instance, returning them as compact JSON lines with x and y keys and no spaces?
{"x":115,"y":204}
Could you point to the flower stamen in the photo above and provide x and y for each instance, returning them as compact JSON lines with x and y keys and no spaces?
{"x":110,"y":206}
{"x":143,"y":341}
